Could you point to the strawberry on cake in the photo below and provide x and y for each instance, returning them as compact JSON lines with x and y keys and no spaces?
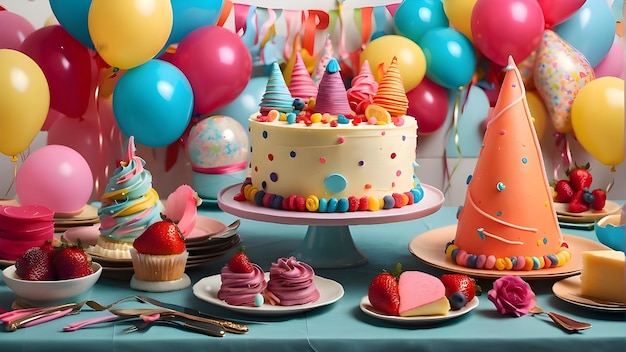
{"x":243,"y":282}
{"x":291,"y":283}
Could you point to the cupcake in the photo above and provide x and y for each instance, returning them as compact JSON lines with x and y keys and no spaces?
{"x":291,"y":283}
{"x":243,"y":282}
{"x":159,"y":257}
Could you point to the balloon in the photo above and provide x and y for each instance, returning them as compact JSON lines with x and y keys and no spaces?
{"x":590,"y":30}
{"x":52,"y":116}
{"x":192,"y":14}
{"x":217,"y":64}
{"x":411,"y":60}
{"x":24,"y":101}
{"x":247,"y":103}
{"x":598,"y":119}
{"x":506,"y":28}
{"x":153,"y":102}
{"x":67,"y":66}
{"x":538,"y":112}
{"x":557,"y":11}
{"x":613,"y":62}
{"x":72,"y":15}
{"x":413,"y":18}
{"x":13,"y":30}
{"x":428,"y":103}
{"x":66,"y":186}
{"x":560,"y":72}
{"x":127,"y":33}
{"x":450,"y":57}
{"x":459,"y":13}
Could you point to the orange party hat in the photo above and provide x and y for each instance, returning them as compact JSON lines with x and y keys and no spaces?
{"x":390,"y":94}
{"x":508,"y":211}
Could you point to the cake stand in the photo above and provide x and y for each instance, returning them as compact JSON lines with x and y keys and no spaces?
{"x":328,"y":243}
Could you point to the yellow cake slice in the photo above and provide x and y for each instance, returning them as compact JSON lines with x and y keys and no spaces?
{"x":603,"y":275}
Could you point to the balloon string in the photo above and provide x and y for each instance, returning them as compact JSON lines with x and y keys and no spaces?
{"x":455,"y":131}
{"x":564,"y":154}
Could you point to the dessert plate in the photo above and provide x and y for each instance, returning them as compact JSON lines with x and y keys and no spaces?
{"x":367,"y":308}
{"x":429,"y":247}
{"x":569,"y":291}
{"x":587,"y":216}
{"x":330,"y":291}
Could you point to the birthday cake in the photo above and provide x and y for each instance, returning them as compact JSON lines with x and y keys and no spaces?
{"x":508,"y":220}
{"x":320,"y":156}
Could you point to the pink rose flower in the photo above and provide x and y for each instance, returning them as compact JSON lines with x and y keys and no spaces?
{"x":512,"y":295}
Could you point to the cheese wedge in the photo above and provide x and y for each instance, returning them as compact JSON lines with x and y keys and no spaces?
{"x":603,"y":275}
{"x":421,"y":294}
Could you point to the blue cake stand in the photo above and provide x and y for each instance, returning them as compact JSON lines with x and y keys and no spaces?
{"x":328,"y":243}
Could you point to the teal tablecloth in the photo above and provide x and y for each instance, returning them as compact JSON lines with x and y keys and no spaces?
{"x":340,"y":326}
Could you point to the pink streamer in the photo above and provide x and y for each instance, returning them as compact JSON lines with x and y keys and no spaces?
{"x":219,"y":170}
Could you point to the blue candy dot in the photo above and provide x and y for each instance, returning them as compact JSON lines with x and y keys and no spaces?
{"x":481,"y":233}
{"x":499,"y":213}
{"x":264,"y":134}
{"x":335,"y":183}
{"x":292,"y":154}
{"x":500,"y":186}
{"x":469,"y":178}
{"x":361,"y":162}
{"x":273,"y":177}
{"x":264,"y":184}
{"x":524,"y":160}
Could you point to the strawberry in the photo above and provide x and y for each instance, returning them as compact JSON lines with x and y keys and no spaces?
{"x":35,"y":265}
{"x":576,"y":204}
{"x":580,"y":177}
{"x":161,"y":238}
{"x":599,"y":199}
{"x":460,"y":283}
{"x":383,"y":292}
{"x":240,"y":263}
{"x":72,"y":262}
{"x":563,"y":191}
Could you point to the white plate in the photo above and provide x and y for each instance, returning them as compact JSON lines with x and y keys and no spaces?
{"x":569,"y":290}
{"x":367,"y":308}
{"x":330,"y":292}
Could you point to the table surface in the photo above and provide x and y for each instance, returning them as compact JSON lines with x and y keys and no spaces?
{"x":341,"y":326}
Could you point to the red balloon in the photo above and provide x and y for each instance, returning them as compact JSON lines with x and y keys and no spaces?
{"x":557,"y":11}
{"x":506,"y":28}
{"x":217,"y":64}
{"x":66,"y":63}
{"x":428,"y":103}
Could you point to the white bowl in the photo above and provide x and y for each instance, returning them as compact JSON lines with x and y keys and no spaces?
{"x":43,"y":293}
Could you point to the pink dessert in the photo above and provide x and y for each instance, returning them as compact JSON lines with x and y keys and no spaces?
{"x":301,"y":84}
{"x":242,"y":289}
{"x":331,"y":97}
{"x":291,"y":283}
{"x":421,"y":294}
{"x":363,"y":89}
{"x":23,"y":227}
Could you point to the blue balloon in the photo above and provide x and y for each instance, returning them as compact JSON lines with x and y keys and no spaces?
{"x":590,"y":30}
{"x":72,"y":16}
{"x":153,"y":102}
{"x":450,"y":57}
{"x":247,"y":103}
{"x":192,"y":14}
{"x":413,"y":18}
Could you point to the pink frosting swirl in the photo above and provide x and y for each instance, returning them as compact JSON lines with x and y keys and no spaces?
{"x":239,"y":289}
{"x":291,"y":282}
{"x":363,"y":88}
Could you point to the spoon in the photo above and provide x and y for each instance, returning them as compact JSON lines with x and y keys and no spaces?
{"x":564,"y":322}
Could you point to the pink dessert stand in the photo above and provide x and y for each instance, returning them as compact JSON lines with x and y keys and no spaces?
{"x":328,"y":243}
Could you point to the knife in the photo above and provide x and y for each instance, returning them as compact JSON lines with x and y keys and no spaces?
{"x":226,"y":324}
{"x":181,"y":323}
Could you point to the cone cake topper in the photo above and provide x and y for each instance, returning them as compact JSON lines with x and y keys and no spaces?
{"x":363,"y":88}
{"x":277,"y":96}
{"x":320,"y":68}
{"x":390,"y":94}
{"x":301,"y":85}
{"x":508,"y":213}
{"x":332,"y":97}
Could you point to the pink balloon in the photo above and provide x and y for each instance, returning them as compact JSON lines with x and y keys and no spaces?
{"x":217,"y":63}
{"x":506,"y":28}
{"x":54,"y":176}
{"x":428,"y":103}
{"x":13,"y":30}
{"x":67,"y":66}
{"x":613,"y":62}
{"x":557,"y":11}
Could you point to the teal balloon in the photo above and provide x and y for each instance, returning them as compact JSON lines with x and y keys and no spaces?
{"x":413,"y":18}
{"x":72,"y":16}
{"x":450,"y":57}
{"x":590,"y":30}
{"x":153,"y":103}
{"x":191,"y":14}
{"x":247,"y":103}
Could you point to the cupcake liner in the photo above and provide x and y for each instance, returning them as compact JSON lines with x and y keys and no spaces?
{"x":150,"y":267}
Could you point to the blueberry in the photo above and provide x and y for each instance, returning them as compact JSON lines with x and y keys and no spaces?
{"x":457,"y":300}
{"x":588,"y":197}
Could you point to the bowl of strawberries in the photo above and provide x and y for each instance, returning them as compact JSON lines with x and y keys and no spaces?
{"x":50,"y":274}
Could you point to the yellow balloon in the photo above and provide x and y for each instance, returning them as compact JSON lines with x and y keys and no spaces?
{"x":538,"y":111}
{"x":411,"y":60}
{"x":598,"y":119}
{"x":128,"y":33}
{"x":459,"y":13}
{"x":24,"y":101}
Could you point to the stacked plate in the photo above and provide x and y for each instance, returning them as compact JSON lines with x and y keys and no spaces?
{"x":586,"y":219}
{"x":209,"y":240}
{"x":87,"y":216}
